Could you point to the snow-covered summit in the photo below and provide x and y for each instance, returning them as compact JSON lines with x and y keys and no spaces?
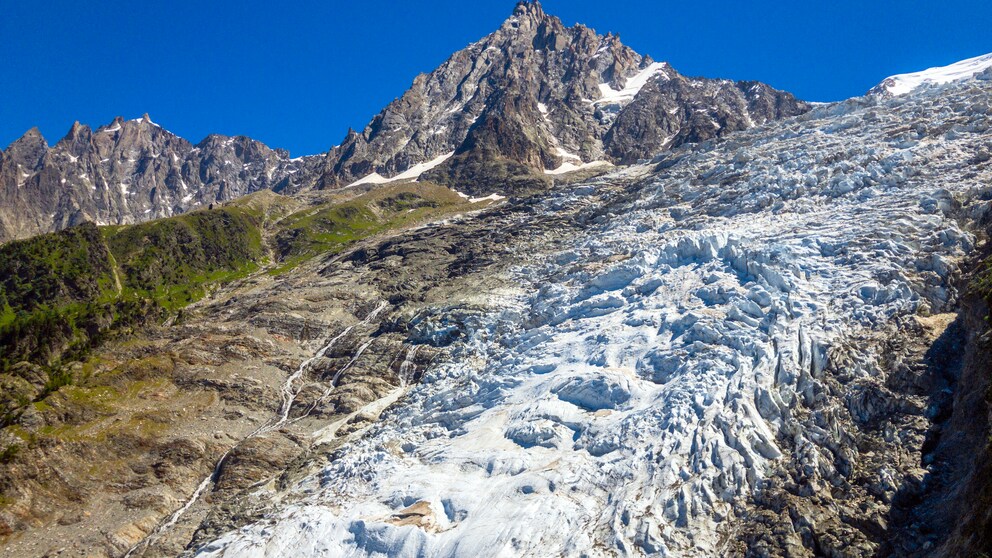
{"x":904,"y":83}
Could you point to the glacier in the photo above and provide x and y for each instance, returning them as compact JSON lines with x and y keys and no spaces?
{"x":634,"y":387}
{"x":964,"y":69}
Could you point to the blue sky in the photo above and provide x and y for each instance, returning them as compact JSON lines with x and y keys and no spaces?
{"x":297,"y":74}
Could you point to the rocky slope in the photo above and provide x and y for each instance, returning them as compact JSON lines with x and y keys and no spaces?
{"x":536,"y":98}
{"x":97,"y":445}
{"x":127,"y":172}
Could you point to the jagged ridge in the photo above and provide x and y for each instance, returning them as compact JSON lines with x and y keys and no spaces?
{"x":535,"y":95}
{"x":127,"y":172}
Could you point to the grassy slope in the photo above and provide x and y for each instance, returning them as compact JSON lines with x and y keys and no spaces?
{"x":172,"y":260}
{"x":62,"y":293}
{"x":332,"y":227}
{"x":91,"y":282}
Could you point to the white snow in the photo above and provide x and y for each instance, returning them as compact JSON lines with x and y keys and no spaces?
{"x":140,"y":120}
{"x":413,"y":173}
{"x":567,"y":155}
{"x":572,"y":162}
{"x":114,"y":128}
{"x":569,"y":166}
{"x":490,"y":197}
{"x":610,"y":96}
{"x":373,"y":178}
{"x":904,"y":83}
{"x":416,"y":170}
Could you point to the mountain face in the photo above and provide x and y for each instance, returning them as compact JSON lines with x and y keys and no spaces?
{"x":127,"y":172}
{"x":536,"y":95}
{"x":533,"y":100}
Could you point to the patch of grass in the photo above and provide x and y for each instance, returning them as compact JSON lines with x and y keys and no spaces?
{"x":171,"y":261}
{"x":56,"y":379}
{"x":335,"y":226}
{"x":9,"y":453}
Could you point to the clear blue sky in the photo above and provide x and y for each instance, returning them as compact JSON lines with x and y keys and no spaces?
{"x":297,"y":74}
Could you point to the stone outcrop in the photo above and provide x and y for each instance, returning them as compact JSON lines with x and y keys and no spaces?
{"x":130,"y":171}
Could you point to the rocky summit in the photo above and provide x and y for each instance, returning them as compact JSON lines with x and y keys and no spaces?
{"x":129,"y":171}
{"x":536,"y":99}
{"x":556,"y":300}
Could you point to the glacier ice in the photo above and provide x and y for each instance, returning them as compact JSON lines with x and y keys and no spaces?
{"x":633,"y":390}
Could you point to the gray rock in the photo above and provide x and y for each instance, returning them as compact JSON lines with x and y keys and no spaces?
{"x":130,"y":171}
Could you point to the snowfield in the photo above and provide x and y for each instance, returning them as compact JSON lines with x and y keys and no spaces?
{"x":904,"y":83}
{"x":631,"y":394}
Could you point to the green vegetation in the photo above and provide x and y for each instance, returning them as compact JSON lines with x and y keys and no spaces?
{"x":53,"y":269}
{"x":981,"y":283}
{"x":171,"y":261}
{"x":333,"y":227}
{"x":62,"y":294}
{"x":55,"y":290}
{"x":9,"y":453}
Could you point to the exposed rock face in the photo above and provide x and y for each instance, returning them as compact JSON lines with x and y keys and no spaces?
{"x":536,"y":94}
{"x":130,"y":171}
{"x":532,"y":97}
{"x":671,"y":112}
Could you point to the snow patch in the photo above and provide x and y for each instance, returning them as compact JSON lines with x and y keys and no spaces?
{"x":610,"y":96}
{"x":904,"y":83}
{"x":490,"y":197}
{"x":412,"y":173}
{"x":568,"y":166}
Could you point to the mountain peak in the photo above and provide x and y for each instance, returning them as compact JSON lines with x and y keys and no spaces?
{"x":28,"y":150}
{"x":528,"y":8}
{"x":31,"y":137}
{"x":78,"y":136}
{"x":534,"y":99}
